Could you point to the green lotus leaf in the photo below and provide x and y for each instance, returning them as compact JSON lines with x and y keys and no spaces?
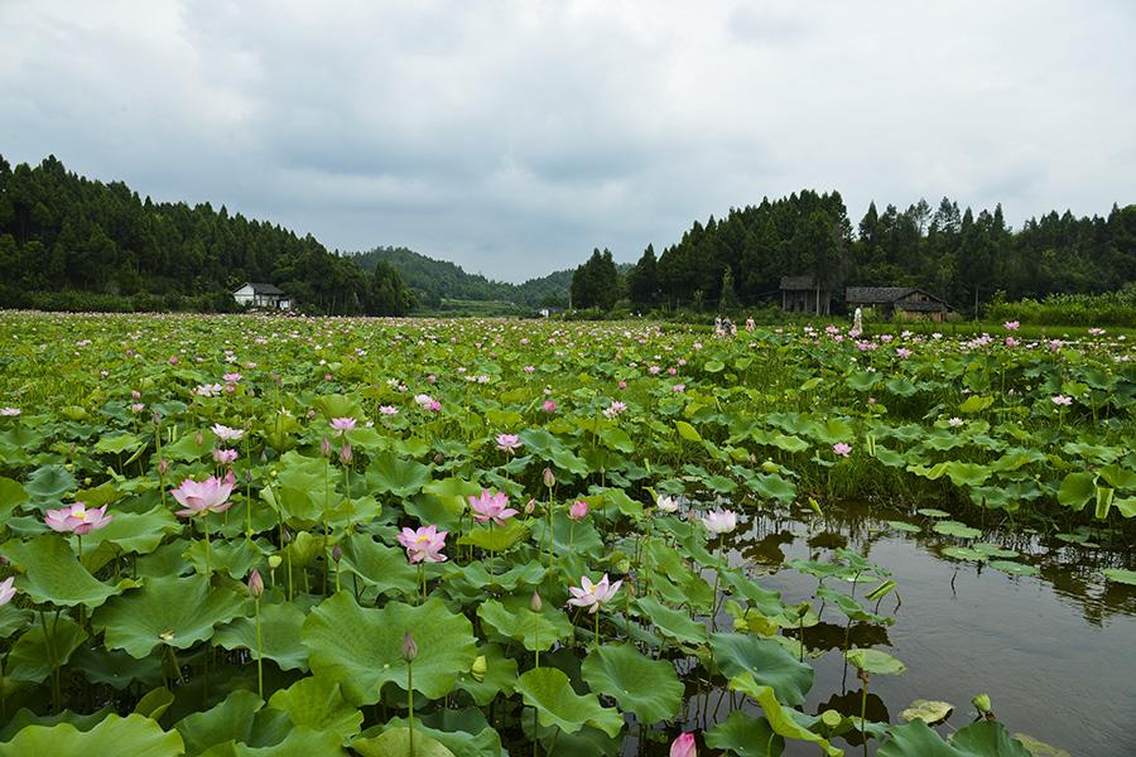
{"x":117,"y":443}
{"x":398,"y":476}
{"x":772,"y":486}
{"x":767,"y":661}
{"x":1120,"y":576}
{"x":746,"y":736}
{"x":377,"y":565}
{"x":994,"y":550}
{"x":138,"y":533}
{"x":1015,"y":568}
{"x":191,"y":446}
{"x":135,"y":735}
{"x":172,"y":611}
{"x":476,"y":578}
{"x":12,"y":495}
{"x":231,"y":720}
{"x":672,"y":623}
{"x":338,"y":406}
{"x":687,"y":431}
{"x":13,"y":619}
{"x":964,"y":553}
{"x":875,"y":662}
{"x":648,"y":688}
{"x":535,"y":630}
{"x":850,"y":607}
{"x":154,"y":703}
{"x":31,"y":657}
{"x":361,"y":648}
{"x":779,"y":717}
{"x":115,"y":667}
{"x":496,"y":538}
{"x":986,"y":738}
{"x":280,"y":626}
{"x":954,"y":528}
{"x":929,"y":711}
{"x":46,"y":485}
{"x":491,"y":674}
{"x":1076,"y":490}
{"x":931,"y":512}
{"x":1038,"y":748}
{"x":25,"y":717}
{"x":299,"y":742}
{"x":901,"y":525}
{"x":235,"y":557}
{"x":398,"y":742}
{"x":550,"y":693}
{"x":52,"y":573}
{"x":317,"y":703}
{"x":464,"y":736}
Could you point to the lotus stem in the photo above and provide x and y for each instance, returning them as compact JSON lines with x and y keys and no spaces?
{"x":259,"y":654}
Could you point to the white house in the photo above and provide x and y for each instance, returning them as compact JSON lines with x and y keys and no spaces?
{"x":262,"y":296}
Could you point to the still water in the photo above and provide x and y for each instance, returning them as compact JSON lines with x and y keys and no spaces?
{"x":1056,"y":652}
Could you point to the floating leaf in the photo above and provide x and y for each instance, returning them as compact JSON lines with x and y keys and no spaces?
{"x":549,"y":692}
{"x":928,"y":710}
{"x":875,"y":662}
{"x":176,"y":612}
{"x":1120,"y":576}
{"x":361,"y":648}
{"x":1014,"y":568}
{"x":954,"y":528}
{"x":648,"y":688}
{"x":779,"y":716}
{"x":900,"y":525}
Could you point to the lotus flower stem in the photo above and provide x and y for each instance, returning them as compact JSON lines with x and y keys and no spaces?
{"x":596,"y":640}
{"x":259,"y":654}
{"x":208,"y":549}
{"x":865,"y":677}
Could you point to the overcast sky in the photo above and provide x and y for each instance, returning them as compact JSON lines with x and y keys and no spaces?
{"x":513,"y":137}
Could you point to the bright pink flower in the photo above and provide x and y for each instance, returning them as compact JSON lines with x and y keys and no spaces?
{"x":508,"y":442}
{"x":615,"y":408}
{"x":1012,"y":325}
{"x":7,"y":591}
{"x":203,"y":497}
{"x":592,"y":595}
{"x":491,"y":506}
{"x":684,"y":746}
{"x":578,"y":510}
{"x":77,"y":519}
{"x":549,"y":406}
{"x":224,"y":456}
{"x":842,"y":449}
{"x":137,"y":407}
{"x":342,"y":425}
{"x":424,"y":544}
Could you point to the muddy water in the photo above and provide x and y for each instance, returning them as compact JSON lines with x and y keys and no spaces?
{"x":1056,"y":652}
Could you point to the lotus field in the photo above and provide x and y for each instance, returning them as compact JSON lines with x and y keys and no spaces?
{"x":243,"y":535}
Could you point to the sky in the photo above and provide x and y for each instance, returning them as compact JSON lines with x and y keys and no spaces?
{"x":512,"y":137}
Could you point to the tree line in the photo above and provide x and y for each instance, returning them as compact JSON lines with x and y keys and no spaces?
{"x":69,"y":242}
{"x":963,"y":257}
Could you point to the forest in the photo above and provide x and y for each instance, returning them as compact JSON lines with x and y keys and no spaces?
{"x":966,"y":258}
{"x":70,"y":243}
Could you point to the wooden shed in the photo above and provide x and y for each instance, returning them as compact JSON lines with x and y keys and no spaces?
{"x":800,"y":294}
{"x":903,"y":302}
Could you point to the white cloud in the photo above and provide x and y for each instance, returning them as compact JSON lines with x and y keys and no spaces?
{"x":512,"y":137}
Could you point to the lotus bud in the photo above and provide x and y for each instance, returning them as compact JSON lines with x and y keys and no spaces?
{"x":346,"y":454}
{"x":439,"y":458}
{"x":534,"y":603}
{"x":163,"y":467}
{"x":479,"y":668}
{"x":255,"y":584}
{"x":981,"y":703}
{"x":337,"y":553}
{"x":199,"y":438}
{"x":135,"y":395}
{"x":530,"y":506}
{"x":409,"y":648}
{"x":578,"y":510}
{"x":325,"y":447}
{"x":274,"y":561}
{"x":549,"y":478}
{"x":684,"y":746}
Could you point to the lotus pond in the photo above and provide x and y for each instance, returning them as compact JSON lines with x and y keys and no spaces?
{"x":241,"y":535}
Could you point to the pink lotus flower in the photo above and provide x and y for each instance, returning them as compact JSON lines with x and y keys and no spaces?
{"x":232,"y":378}
{"x":203,"y":497}
{"x":592,"y":595}
{"x":9,"y":412}
{"x":615,"y":408}
{"x":137,"y":407}
{"x":678,"y":388}
{"x":578,"y":510}
{"x":7,"y":591}
{"x":1061,"y":400}
{"x":720,"y":522}
{"x":388,"y":410}
{"x":224,"y":456}
{"x":684,"y":746}
{"x":842,"y":449}
{"x":549,"y":406}
{"x":491,"y":507}
{"x":1012,"y":325}
{"x":903,"y":353}
{"x":423,"y":544}
{"x":508,"y":442}
{"x":342,"y":425}
{"x":226,"y":434}
{"x":77,"y":519}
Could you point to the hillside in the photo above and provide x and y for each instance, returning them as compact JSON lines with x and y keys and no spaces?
{"x":436,"y":280}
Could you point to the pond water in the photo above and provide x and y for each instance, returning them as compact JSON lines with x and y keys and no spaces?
{"x":1056,"y":652}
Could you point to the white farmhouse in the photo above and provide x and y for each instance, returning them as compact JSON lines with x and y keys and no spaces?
{"x":262,"y":296}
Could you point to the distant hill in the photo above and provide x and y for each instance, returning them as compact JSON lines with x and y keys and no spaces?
{"x":436,"y":280}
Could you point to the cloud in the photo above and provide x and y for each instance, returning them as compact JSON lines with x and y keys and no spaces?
{"x":514,"y":136}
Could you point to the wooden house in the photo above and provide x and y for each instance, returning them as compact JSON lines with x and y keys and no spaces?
{"x":800,"y":294}
{"x":900,"y":302}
